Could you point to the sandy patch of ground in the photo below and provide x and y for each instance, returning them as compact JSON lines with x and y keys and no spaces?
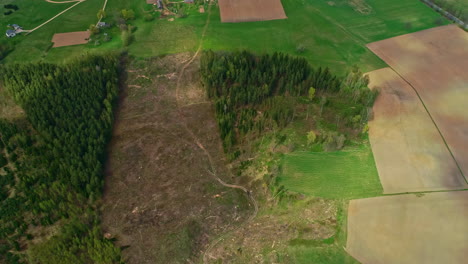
{"x":434,"y":62}
{"x":70,"y":38}
{"x":429,"y":228}
{"x":409,"y":152}
{"x":251,"y":10}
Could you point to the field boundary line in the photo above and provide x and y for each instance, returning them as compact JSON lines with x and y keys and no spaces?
{"x":435,"y":124}
{"x":212,"y":170}
{"x":43,"y":24}
{"x":416,"y":193}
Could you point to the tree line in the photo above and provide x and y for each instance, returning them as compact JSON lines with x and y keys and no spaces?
{"x":52,"y":165}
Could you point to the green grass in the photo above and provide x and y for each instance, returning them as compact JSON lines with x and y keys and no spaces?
{"x":333,"y":35}
{"x":347,"y":174}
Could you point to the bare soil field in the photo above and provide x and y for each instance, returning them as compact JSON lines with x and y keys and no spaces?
{"x":70,"y":38}
{"x":429,"y":228}
{"x":250,"y":10}
{"x":434,"y":62}
{"x":160,"y":201}
{"x":409,"y":152}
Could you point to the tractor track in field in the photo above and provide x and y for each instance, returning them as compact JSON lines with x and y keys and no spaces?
{"x":211,"y":170}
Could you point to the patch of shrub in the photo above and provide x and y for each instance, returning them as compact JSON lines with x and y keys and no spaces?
{"x":148,"y":17}
{"x":10,"y":6}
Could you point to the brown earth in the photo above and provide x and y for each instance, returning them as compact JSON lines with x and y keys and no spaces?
{"x":250,"y":10}
{"x":70,"y":38}
{"x":429,"y":228}
{"x":434,"y":62}
{"x":268,"y":237}
{"x":409,"y":152}
{"x":160,"y":201}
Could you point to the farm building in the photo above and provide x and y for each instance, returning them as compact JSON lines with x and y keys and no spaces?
{"x":16,"y":27}
{"x":188,"y":1}
{"x":102,"y":25}
{"x":10,"y":33}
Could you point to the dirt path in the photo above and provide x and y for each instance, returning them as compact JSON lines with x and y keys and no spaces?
{"x":43,"y":24}
{"x":212,"y":169}
{"x":63,"y":2}
{"x":104,"y":9}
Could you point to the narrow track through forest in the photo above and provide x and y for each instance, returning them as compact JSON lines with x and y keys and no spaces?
{"x":211,"y":170}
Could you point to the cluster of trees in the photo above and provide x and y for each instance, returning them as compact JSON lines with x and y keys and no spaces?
{"x":254,"y":93}
{"x":54,"y":161}
{"x":456,"y":8}
{"x":11,"y":7}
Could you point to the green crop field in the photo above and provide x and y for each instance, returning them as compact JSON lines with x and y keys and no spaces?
{"x":344,"y":174}
{"x":328,"y":33}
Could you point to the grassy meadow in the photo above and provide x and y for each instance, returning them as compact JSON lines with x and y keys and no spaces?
{"x":327,"y":33}
{"x":345,"y":174}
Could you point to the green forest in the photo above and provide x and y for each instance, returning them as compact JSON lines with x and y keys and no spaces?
{"x":51,"y":164}
{"x":256,"y":93}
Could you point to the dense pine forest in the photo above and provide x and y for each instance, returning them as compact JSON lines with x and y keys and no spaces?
{"x":256,"y":93}
{"x":51,"y":165}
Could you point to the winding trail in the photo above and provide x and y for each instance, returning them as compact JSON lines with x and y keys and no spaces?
{"x":212,"y":169}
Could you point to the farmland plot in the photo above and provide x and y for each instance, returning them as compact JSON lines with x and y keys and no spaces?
{"x":409,"y":228}
{"x":70,"y":38}
{"x":434,"y":62}
{"x":251,"y":10}
{"x":409,"y":152}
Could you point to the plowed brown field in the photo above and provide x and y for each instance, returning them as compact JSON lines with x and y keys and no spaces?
{"x":70,"y":38}
{"x":251,"y":10}
{"x":408,"y":229}
{"x":409,"y":152}
{"x":435,"y":63}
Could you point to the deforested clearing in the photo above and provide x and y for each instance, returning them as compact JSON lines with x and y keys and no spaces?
{"x":251,"y":10}
{"x":424,"y":228}
{"x":409,"y":152}
{"x":434,"y":62}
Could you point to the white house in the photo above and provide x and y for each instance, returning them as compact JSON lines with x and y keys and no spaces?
{"x":10,"y":33}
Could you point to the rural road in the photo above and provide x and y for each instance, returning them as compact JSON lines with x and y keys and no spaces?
{"x":212,"y":169}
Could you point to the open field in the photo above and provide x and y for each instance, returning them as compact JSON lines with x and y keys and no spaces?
{"x":70,"y":38}
{"x":311,"y":30}
{"x":347,"y":174}
{"x":250,"y":10}
{"x":434,"y":62}
{"x":326,"y":40}
{"x":426,"y":228}
{"x":409,"y":152}
{"x":159,"y":198}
